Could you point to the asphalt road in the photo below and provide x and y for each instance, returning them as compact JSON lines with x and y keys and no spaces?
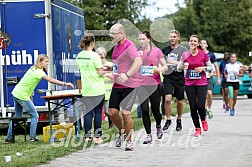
{"x":228,"y":143}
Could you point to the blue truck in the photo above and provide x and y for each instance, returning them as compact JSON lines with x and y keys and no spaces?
{"x":32,"y":27}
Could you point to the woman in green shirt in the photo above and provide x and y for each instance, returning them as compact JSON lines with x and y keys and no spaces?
{"x":93,"y":87}
{"x":23,"y":91}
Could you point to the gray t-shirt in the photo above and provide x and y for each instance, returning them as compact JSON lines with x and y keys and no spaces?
{"x":174,"y":54}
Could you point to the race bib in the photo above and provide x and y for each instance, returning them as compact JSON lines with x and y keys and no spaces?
{"x":232,"y":77}
{"x":115,"y":68}
{"x":172,"y":58}
{"x":147,"y":70}
{"x":194,"y":74}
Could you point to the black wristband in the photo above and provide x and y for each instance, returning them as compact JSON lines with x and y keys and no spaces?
{"x":127,"y":75}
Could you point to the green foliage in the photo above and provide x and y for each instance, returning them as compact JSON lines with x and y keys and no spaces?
{"x":102,"y":14}
{"x":225,"y":24}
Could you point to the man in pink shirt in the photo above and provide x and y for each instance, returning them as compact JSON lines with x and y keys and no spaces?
{"x":126,"y":67}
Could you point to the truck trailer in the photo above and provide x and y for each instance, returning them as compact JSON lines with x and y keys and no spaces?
{"x":33,"y":27}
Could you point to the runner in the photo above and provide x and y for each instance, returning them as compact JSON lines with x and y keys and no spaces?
{"x":173,"y":80}
{"x":233,"y":71}
{"x":127,"y":63}
{"x":150,"y":83}
{"x":223,"y":63}
{"x":204,"y":47}
{"x":196,"y":62}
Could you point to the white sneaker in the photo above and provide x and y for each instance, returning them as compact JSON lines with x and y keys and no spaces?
{"x":120,"y":139}
{"x":97,"y":140}
{"x":129,"y":146}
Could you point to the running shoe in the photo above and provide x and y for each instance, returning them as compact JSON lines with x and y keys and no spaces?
{"x":88,"y":139}
{"x":97,"y":140}
{"x":204,"y":125}
{"x":197,"y":132}
{"x":167,"y":124}
{"x":224,"y":106}
{"x":227,"y":109}
{"x":148,"y":139}
{"x":210,"y":114}
{"x":232,"y":112}
{"x":179,"y":125}
{"x":120,"y":139}
{"x":129,"y":146}
{"x":159,"y":132}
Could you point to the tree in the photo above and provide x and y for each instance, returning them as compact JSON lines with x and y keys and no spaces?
{"x":102,"y":14}
{"x":228,"y":25}
{"x":225,"y":24}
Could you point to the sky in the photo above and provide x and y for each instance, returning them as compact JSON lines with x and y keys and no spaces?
{"x":164,"y":6}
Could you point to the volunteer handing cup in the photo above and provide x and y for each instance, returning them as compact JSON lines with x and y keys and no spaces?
{"x":186,"y":64}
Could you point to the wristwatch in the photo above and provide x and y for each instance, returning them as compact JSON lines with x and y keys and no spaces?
{"x":205,"y":68}
{"x":127,"y":75}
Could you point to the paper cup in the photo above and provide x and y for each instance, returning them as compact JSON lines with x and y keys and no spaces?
{"x":7,"y":158}
{"x":140,"y":52}
{"x":241,"y":67}
{"x":186,"y":64}
{"x":19,"y":154}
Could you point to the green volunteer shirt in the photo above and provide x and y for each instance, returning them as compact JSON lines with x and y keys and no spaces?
{"x":108,"y":87}
{"x":24,"y":89}
{"x":92,"y":83}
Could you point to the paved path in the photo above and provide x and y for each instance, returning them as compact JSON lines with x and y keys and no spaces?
{"x":228,"y":143}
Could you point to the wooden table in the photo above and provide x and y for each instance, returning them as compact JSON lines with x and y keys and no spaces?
{"x":60,"y":101}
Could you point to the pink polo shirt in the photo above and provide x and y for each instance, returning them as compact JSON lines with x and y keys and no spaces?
{"x":123,"y":56}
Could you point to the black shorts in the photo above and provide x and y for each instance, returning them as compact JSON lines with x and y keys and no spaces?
{"x":224,"y":84}
{"x":235,"y":85}
{"x":175,"y":88}
{"x":122,"y":98}
{"x":210,"y":84}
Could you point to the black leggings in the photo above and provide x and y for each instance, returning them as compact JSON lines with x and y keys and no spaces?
{"x":153,"y":92}
{"x":196,"y":96}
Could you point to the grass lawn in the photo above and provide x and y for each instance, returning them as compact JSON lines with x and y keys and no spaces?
{"x":39,"y":152}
